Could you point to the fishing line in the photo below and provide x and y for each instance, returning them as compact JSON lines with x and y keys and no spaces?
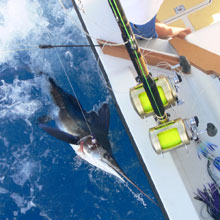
{"x":68,"y":79}
{"x":100,"y":27}
{"x":81,"y":29}
{"x":166,"y":66}
{"x":17,"y":50}
{"x":106,"y":85}
{"x":27,"y":47}
{"x":143,"y":38}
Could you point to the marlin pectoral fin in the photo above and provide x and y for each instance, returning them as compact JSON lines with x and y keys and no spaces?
{"x":44,"y":119}
{"x":61,"y":135}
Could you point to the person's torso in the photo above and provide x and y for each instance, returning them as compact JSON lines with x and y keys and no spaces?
{"x":140,"y":11}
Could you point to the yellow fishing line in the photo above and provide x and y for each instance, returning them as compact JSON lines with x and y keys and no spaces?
{"x":169,"y":138}
{"x":145,"y":102}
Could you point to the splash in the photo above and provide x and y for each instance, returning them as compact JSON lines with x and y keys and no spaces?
{"x":19,"y":18}
{"x":23,"y":172}
{"x":3,"y":190}
{"x":16,"y":99}
{"x":25,"y":24}
{"x":137,"y":196}
{"x":22,"y":203}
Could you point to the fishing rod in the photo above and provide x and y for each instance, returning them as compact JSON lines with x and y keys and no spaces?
{"x":49,"y":46}
{"x":138,"y":61}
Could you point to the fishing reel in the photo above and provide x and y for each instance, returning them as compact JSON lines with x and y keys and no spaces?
{"x":177,"y":133}
{"x":167,"y":91}
{"x":167,"y":88}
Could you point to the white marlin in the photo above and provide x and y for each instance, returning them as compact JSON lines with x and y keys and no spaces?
{"x":86,"y":132}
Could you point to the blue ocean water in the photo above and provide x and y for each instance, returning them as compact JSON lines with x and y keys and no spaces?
{"x":41,"y":177}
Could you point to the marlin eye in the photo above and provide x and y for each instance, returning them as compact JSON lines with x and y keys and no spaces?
{"x":90,"y":146}
{"x":106,"y":156}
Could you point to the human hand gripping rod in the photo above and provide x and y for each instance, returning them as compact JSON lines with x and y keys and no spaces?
{"x":138,"y":60}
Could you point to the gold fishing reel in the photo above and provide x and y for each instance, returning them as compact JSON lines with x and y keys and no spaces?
{"x":140,"y":99}
{"x":168,"y":136}
{"x":177,"y":133}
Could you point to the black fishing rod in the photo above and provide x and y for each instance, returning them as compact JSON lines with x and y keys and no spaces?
{"x":138,"y":60}
{"x":49,"y":46}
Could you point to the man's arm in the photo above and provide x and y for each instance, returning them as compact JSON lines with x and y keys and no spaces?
{"x":165,"y":31}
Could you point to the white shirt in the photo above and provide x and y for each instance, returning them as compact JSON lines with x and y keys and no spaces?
{"x":140,"y":11}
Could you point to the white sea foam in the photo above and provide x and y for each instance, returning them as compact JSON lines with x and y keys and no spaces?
{"x":44,"y":214}
{"x":3,"y":190}
{"x":29,"y":205}
{"x":137,"y":196}
{"x":19,"y":200}
{"x":23,"y":174}
{"x":77,"y":162}
{"x":19,"y":19}
{"x":16,"y":99}
{"x":23,"y":171}
{"x":23,"y":27}
{"x":22,"y":203}
{"x":2,"y":178}
{"x":5,"y":140}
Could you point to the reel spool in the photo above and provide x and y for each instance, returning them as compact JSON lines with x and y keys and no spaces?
{"x":141,"y":102}
{"x":169,"y":136}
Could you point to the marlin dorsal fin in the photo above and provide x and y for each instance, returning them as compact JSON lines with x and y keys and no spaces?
{"x":104,"y":117}
{"x":100,"y":120}
{"x":58,"y":95}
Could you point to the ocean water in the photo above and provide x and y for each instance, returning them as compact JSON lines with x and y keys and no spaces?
{"x":41,"y":177}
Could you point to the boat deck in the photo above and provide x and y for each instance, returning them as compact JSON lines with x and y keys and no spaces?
{"x":177,"y":174}
{"x":195,"y":14}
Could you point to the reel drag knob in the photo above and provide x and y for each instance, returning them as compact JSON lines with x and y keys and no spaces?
{"x":184,"y":63}
{"x":211,"y":130}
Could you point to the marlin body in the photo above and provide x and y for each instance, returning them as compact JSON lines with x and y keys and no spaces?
{"x":89,"y":128}
{"x":86,"y":132}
